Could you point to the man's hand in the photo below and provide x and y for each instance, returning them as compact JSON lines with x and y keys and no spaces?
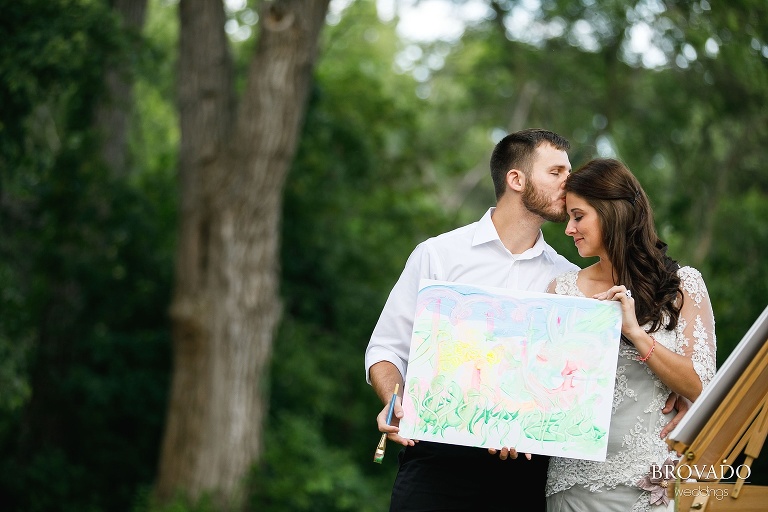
{"x":678,"y":403}
{"x":384,"y":378}
{"x":394,"y":427}
{"x":505,"y":453}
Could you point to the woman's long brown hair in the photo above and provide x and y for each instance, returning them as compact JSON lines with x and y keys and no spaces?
{"x":637,"y":255}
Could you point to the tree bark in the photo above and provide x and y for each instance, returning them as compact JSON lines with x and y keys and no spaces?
{"x":233,"y":164}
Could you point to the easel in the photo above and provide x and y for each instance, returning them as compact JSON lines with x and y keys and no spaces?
{"x":738,"y":426}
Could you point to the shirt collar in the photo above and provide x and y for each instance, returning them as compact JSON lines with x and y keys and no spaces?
{"x":486,"y":231}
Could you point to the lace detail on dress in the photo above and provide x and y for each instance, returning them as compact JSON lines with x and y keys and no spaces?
{"x":692,"y":282}
{"x":633,"y":440}
{"x":566,"y":284}
{"x":703,"y":356}
{"x":622,"y":388}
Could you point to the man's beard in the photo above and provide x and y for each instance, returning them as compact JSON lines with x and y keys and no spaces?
{"x":542,"y":206}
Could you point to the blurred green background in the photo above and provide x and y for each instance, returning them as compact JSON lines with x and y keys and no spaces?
{"x":393,"y":149}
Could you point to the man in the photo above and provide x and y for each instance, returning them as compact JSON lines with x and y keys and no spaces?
{"x":505,"y":249}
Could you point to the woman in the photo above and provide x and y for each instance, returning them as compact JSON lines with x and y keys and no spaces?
{"x":668,"y":339}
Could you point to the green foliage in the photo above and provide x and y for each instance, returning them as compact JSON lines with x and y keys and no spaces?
{"x":85,"y":274}
{"x":740,"y":296}
{"x":46,"y":59}
{"x":301,"y":470}
{"x":98,"y":278}
{"x":154,"y":134}
{"x":50,"y":51}
{"x":145,"y":502}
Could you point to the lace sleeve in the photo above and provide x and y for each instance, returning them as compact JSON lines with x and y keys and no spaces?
{"x":696,"y":328}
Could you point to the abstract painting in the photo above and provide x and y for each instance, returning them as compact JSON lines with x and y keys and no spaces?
{"x":492,"y":367}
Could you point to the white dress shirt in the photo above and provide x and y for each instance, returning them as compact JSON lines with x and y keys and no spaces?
{"x":471,"y":254}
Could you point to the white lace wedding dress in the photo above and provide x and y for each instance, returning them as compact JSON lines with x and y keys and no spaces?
{"x":576,"y":485}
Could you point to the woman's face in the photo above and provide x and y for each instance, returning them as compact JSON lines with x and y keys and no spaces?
{"x":584,"y":226}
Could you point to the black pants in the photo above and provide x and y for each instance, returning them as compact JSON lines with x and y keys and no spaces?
{"x":435,"y":477}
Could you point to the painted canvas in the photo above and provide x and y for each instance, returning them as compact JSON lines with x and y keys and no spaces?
{"x":491,"y":367}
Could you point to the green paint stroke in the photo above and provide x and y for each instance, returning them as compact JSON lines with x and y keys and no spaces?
{"x":445,"y":407}
{"x":598,"y":320}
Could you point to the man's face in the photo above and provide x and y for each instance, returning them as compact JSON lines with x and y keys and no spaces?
{"x":543,"y":193}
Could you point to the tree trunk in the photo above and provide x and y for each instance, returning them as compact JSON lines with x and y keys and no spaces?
{"x":233,"y":163}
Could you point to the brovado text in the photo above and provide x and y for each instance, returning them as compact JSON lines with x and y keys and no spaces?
{"x":706,"y":472}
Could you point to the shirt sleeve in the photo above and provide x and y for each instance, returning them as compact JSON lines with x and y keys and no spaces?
{"x":696,"y":327}
{"x":391,"y":338}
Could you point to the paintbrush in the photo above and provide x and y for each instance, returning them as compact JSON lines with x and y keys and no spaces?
{"x":379,"y":455}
